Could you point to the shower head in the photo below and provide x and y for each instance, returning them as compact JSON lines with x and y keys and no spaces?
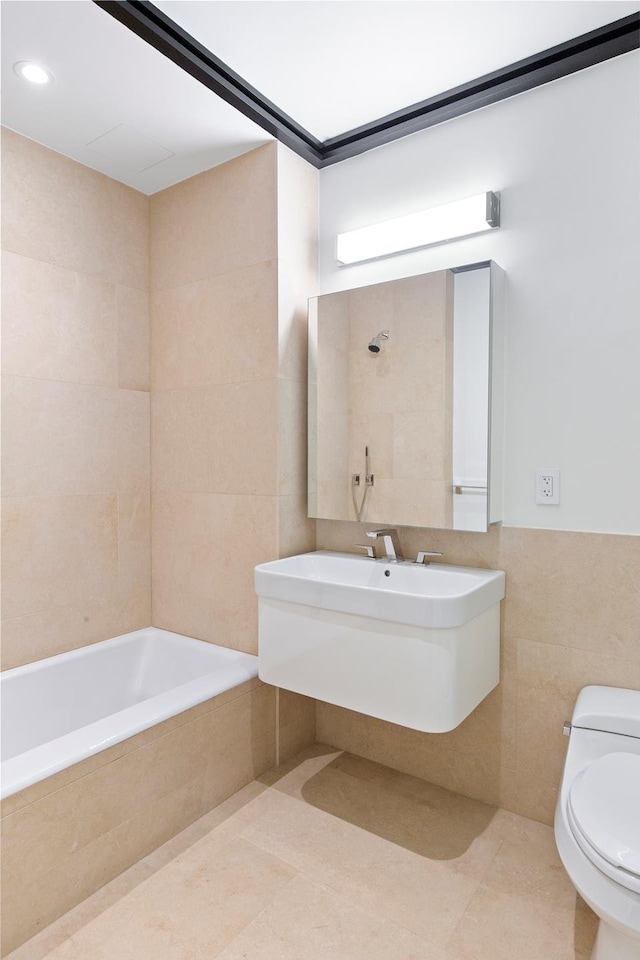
{"x":374,"y":346}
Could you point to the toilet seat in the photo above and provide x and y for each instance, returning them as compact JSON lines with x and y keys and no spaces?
{"x":603,"y":810}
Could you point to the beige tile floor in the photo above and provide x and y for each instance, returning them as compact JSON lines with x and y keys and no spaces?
{"x":332,"y":857}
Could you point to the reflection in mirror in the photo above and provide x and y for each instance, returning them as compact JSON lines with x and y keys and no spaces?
{"x":404,"y":411}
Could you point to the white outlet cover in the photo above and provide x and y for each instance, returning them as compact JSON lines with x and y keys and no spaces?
{"x":548,"y":486}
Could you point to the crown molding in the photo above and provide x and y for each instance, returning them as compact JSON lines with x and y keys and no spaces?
{"x":150,"y":24}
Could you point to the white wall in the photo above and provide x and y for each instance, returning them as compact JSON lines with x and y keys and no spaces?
{"x":565,"y":160}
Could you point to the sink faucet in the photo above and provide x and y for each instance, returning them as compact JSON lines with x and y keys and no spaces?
{"x":391,"y":539}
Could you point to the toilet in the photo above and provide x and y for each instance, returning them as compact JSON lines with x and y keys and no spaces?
{"x":597,"y":821}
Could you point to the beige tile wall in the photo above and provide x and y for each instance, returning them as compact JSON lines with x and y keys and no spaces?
{"x":571,"y":617}
{"x":104,"y":814}
{"x":233,"y":259}
{"x":75,"y":479}
{"x":296,"y":724}
{"x":297,"y":219}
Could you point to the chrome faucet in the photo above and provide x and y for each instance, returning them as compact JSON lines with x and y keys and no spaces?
{"x":391,"y":540}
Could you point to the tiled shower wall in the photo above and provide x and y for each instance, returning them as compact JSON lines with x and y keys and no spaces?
{"x":233,"y":259}
{"x":229,"y":394}
{"x":75,"y":346}
{"x":571,"y":617}
{"x":214,"y":312}
{"x":233,"y":254}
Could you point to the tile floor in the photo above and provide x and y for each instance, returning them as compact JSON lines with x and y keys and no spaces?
{"x":332,"y":857}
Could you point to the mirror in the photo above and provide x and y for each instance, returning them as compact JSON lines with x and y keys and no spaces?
{"x":405,"y":401}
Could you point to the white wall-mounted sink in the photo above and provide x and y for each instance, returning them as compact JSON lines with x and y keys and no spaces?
{"x":437,"y":595}
{"x":417,"y":645}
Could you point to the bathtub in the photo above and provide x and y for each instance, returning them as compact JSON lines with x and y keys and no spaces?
{"x":109,"y":751}
{"x":59,"y":711}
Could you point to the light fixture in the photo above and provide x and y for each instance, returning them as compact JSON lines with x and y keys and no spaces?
{"x":33,"y":72}
{"x":450,"y":221}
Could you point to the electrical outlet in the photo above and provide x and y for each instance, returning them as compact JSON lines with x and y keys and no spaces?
{"x":548,"y":486}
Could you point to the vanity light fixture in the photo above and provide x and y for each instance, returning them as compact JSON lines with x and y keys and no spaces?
{"x":450,"y":221}
{"x":33,"y":72}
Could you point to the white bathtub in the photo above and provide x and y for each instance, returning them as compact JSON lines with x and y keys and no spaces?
{"x":61,"y":710}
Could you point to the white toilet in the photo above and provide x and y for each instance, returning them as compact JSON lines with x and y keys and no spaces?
{"x":597,"y":823}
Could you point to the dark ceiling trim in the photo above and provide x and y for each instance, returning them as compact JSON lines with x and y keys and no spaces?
{"x":560,"y":61}
{"x":149,"y":23}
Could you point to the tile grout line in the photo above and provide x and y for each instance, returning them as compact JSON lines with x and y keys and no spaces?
{"x":202,"y":385}
{"x":353,"y":902}
{"x":478,"y":889}
{"x":156,"y":291}
{"x":112,"y":387}
{"x":142,"y":288}
{"x":277,"y":730}
{"x":266,"y":907}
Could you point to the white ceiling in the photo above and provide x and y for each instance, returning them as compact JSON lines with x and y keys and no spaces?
{"x":106,"y":76}
{"x":121,"y":107}
{"x":334,"y":65}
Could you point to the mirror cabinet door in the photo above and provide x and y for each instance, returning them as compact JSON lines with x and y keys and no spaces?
{"x":404,"y":401}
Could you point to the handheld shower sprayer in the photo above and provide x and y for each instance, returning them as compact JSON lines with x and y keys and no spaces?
{"x":355,"y":482}
{"x":374,"y":345}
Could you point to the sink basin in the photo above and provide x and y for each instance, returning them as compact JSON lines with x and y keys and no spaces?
{"x":437,"y":595}
{"x":416,"y":645}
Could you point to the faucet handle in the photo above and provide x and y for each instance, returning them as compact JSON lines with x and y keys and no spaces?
{"x":371,"y":551}
{"x":422,"y":556}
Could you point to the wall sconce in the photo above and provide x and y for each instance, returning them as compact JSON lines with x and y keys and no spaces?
{"x":450,"y":221}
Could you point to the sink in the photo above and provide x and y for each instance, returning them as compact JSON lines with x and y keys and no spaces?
{"x":413,"y":644}
{"x":437,"y":595}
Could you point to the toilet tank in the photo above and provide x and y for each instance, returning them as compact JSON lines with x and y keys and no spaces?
{"x":609,"y":709}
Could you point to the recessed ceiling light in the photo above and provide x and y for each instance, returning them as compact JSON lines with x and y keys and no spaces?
{"x":33,"y":72}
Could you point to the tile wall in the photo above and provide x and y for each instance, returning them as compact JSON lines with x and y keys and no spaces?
{"x":75,"y":347}
{"x":233,"y":260}
{"x":102,"y":815}
{"x":232,"y":255}
{"x":571,"y":617}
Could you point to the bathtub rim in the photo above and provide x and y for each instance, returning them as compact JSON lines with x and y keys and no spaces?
{"x":45,"y":760}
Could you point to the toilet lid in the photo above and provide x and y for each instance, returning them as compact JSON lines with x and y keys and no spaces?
{"x":604,"y":801}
